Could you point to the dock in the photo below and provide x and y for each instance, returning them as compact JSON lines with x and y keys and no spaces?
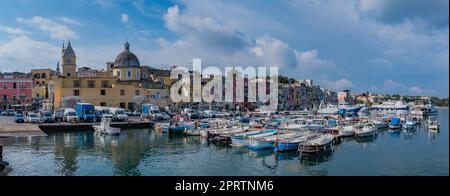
{"x":9,"y":128}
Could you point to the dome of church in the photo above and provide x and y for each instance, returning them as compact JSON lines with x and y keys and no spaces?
{"x":126,"y":58}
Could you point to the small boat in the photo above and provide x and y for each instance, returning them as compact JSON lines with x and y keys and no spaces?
{"x":243,"y":139}
{"x":162,"y":127}
{"x":409,"y":124}
{"x":268,"y":142}
{"x":366,"y":131}
{"x":105,"y":128}
{"x":395,"y":124}
{"x":291,"y":144}
{"x":432,"y":123}
{"x":317,"y":144}
{"x":347,"y":131}
{"x":180,"y":128}
{"x":380,"y":124}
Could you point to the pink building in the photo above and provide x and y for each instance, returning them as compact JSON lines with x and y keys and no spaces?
{"x":15,"y":91}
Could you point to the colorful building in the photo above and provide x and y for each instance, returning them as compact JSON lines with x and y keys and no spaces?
{"x":15,"y":91}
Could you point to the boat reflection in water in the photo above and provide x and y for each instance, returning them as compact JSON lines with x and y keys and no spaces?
{"x":316,"y":159}
{"x":366,"y":139}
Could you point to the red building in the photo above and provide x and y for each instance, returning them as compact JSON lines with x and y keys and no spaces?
{"x":15,"y":91}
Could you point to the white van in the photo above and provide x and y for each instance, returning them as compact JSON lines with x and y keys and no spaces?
{"x":119,"y":114}
{"x":70,"y":115}
{"x":102,"y":112}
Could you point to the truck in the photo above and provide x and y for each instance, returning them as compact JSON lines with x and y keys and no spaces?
{"x":70,"y":115}
{"x":85,"y":111}
{"x":152,"y":111}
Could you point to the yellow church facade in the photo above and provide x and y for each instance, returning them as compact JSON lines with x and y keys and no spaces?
{"x":120,"y":85}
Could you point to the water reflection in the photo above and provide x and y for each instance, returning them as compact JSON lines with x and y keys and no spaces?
{"x":316,"y":159}
{"x":366,"y":139}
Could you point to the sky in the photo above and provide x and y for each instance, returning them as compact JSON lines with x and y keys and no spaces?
{"x":380,"y":46}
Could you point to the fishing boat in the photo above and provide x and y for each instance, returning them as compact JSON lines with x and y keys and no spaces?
{"x":380,"y":124}
{"x":432,"y":123}
{"x":366,"y":131}
{"x":291,"y":143}
{"x":180,"y":128}
{"x":267,"y":142}
{"x":409,"y":124}
{"x":162,"y":127}
{"x":105,"y":128}
{"x":243,"y":139}
{"x":395,"y":124}
{"x":316,"y":145}
{"x":347,"y":131}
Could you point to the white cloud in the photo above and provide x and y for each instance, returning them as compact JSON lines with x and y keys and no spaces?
{"x":125,"y":18}
{"x":12,"y":30}
{"x":23,"y":53}
{"x":69,"y":21}
{"x":50,"y":27}
{"x":342,"y":84}
{"x":105,"y":3}
{"x":420,"y":91}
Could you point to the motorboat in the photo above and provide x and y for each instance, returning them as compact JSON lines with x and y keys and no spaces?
{"x":317,"y":144}
{"x":268,"y":142}
{"x":347,"y":131}
{"x":395,"y":124}
{"x":243,"y":139}
{"x":105,"y":127}
{"x":366,"y":131}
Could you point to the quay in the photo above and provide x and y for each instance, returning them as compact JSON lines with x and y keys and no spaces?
{"x":9,"y":128}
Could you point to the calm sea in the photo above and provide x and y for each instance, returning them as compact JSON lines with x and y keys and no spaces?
{"x":144,"y":152}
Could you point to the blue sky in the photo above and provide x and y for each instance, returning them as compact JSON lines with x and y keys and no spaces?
{"x":380,"y":46}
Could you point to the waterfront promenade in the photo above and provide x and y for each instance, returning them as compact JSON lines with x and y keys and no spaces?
{"x":8,"y":128}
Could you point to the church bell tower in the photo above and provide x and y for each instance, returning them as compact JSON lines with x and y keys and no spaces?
{"x":69,"y":61}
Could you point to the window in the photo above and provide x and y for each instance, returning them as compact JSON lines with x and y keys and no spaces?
{"x":5,"y":97}
{"x":122,"y":92}
{"x":68,"y":74}
{"x":105,"y":84}
{"x":37,"y":95}
{"x":14,"y":98}
{"x":103,"y":92}
{"x":103,"y":104}
{"x":5,"y":86}
{"x":43,"y":82}
{"x":91,"y":84}
{"x":14,"y":85}
{"x":37,"y":83}
{"x":76,"y":84}
{"x":129,"y":73}
{"x":137,"y":93}
{"x":43,"y":75}
{"x":76,"y":92}
{"x":122,"y":105}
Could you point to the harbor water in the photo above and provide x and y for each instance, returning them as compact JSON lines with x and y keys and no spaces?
{"x":146,"y":153}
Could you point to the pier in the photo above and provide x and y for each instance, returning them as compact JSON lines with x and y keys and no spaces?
{"x":9,"y":128}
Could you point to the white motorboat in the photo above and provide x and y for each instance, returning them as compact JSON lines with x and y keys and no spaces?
{"x":105,"y":127}
{"x":366,"y":131}
{"x":347,"y":131}
{"x":380,"y":124}
{"x":432,"y":123}
{"x":409,"y":124}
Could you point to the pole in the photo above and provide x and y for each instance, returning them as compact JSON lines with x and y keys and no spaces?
{"x":1,"y":154}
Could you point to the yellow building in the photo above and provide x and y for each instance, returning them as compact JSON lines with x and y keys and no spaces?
{"x":120,"y":85}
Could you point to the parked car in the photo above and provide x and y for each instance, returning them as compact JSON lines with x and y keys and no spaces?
{"x":8,"y":113}
{"x":119,"y":114}
{"x":85,"y":111}
{"x":137,"y":113}
{"x":128,"y":112}
{"x":46,"y":117}
{"x":70,"y":115}
{"x":164,"y":116}
{"x":58,"y":115}
{"x":19,"y":118}
{"x":33,"y":118}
